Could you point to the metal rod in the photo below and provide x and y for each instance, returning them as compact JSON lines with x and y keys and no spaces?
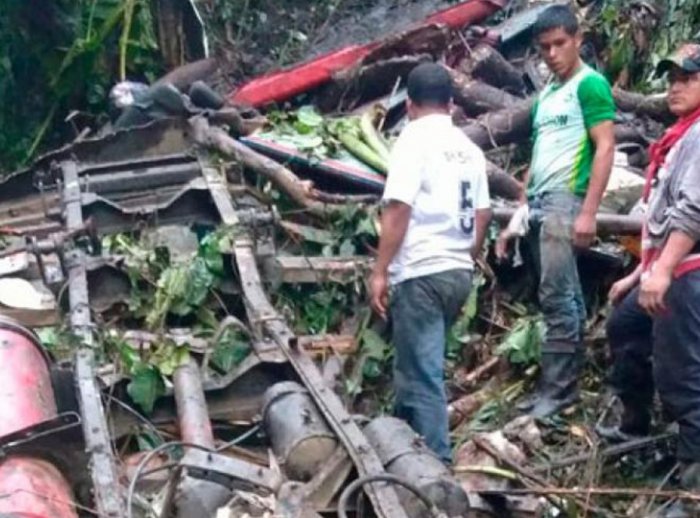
{"x":107,"y":490}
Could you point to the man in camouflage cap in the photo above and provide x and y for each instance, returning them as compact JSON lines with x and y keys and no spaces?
{"x":657,"y":307}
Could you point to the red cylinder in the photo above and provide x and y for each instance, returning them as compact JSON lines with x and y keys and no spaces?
{"x":34,"y":488}
{"x":29,"y":487}
{"x":26,"y":394}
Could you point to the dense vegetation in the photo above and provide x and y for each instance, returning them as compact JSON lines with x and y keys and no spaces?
{"x":58,"y":57}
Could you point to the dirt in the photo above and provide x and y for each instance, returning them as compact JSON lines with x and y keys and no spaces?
{"x":255,"y":37}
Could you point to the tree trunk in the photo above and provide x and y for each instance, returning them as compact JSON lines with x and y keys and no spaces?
{"x":501,"y":183}
{"x":654,"y":106}
{"x":477,"y":97}
{"x":488,"y":65}
{"x":353,"y":87}
{"x":183,"y":77}
{"x":502,"y":127}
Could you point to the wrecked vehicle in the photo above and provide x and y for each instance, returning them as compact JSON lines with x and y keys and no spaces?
{"x":156,"y":366}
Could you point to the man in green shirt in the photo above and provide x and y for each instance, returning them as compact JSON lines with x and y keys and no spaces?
{"x":571,"y":162}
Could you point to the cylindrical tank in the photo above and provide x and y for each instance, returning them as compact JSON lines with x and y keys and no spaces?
{"x":300,"y":436}
{"x":31,"y":486}
{"x":26,"y":394}
{"x":404,"y":453}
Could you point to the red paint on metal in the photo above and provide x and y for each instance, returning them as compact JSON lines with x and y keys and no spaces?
{"x":282,"y":85}
{"x":26,"y":394}
{"x":34,"y":487}
{"x":29,"y":486}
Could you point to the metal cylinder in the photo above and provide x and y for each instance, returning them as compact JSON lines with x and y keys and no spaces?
{"x":33,"y":487}
{"x":195,"y":497}
{"x":300,"y":437}
{"x":404,"y":454}
{"x":192,"y":413}
{"x":29,"y":486}
{"x":26,"y":394}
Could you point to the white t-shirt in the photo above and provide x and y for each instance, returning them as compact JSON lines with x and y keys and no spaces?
{"x":441,"y":174}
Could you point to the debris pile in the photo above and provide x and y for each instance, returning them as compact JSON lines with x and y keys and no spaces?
{"x":197,"y":279}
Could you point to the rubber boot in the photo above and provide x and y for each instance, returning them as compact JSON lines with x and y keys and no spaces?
{"x":635,"y":422}
{"x":558,"y":384}
{"x":690,"y":482}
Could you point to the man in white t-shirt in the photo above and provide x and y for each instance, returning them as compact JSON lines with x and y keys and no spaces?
{"x":436,"y":211}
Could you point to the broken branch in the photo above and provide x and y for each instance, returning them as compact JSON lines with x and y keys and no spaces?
{"x":301,"y":192}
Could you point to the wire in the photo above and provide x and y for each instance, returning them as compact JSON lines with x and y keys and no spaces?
{"x":136,"y":414}
{"x":240,"y":438}
{"x":144,"y":462}
{"x":383,"y":477}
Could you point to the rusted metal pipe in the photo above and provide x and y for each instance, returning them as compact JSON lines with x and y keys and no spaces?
{"x":30,"y":486}
{"x":192,"y":413}
{"x":195,"y":497}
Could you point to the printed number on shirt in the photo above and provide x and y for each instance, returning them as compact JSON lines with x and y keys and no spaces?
{"x":466,"y":208}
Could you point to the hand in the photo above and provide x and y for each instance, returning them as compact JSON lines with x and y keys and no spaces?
{"x":652,"y":291}
{"x":621,"y":288}
{"x":584,"y":230}
{"x":379,"y":292}
{"x":502,"y":245}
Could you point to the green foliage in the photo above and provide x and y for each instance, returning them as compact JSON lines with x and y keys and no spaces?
{"x":62,"y":55}
{"x":463,"y":324}
{"x":523,"y":342}
{"x":371,"y":364}
{"x":230,"y":350}
{"x":162,"y":288}
{"x":680,"y":23}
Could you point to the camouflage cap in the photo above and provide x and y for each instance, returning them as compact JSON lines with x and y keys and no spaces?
{"x":686,"y":57}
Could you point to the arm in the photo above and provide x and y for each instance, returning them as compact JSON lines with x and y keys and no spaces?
{"x":654,"y":287}
{"x":394,"y":223}
{"x":625,"y":285}
{"x":603,"y":137}
{"x":482,"y":218}
{"x":395,"y":218}
{"x":683,"y":224}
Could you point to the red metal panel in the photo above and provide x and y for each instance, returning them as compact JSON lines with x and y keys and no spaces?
{"x":26,"y":394}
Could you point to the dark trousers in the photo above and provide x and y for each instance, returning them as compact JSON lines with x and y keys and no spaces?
{"x":422,"y":312}
{"x":662,"y":351}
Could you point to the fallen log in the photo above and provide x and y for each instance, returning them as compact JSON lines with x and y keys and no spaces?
{"x":183,"y":77}
{"x":501,"y":183}
{"x":654,"y":106}
{"x":488,"y":65}
{"x":300,"y":191}
{"x":608,"y":224}
{"x":502,"y":127}
{"x":513,"y":125}
{"x":351,"y":88}
{"x":476,"y":97}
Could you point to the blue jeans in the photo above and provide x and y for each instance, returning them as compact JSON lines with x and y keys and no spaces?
{"x":552,"y":217}
{"x":422,"y":312}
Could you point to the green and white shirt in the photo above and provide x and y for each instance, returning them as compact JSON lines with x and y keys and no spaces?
{"x":563,"y":151}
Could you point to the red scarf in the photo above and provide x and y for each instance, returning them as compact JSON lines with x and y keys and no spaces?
{"x":659,"y":149}
{"x":658,"y":152}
